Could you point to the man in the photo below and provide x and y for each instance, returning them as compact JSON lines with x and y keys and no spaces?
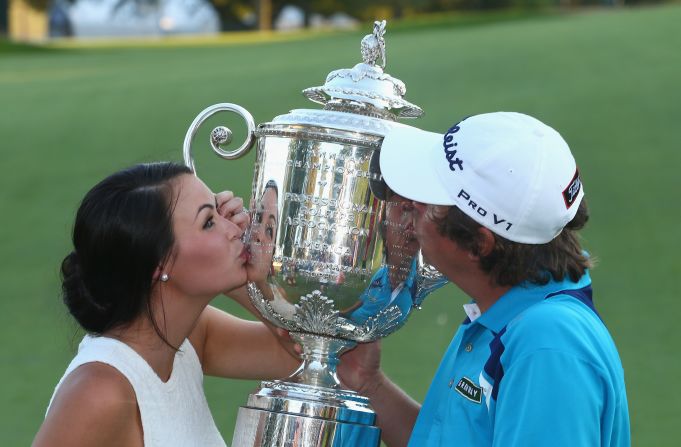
{"x":498,"y":202}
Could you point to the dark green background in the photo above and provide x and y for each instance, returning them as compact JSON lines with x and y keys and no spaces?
{"x":609,"y":81}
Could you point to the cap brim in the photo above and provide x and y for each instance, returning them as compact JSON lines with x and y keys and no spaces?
{"x":407,"y":161}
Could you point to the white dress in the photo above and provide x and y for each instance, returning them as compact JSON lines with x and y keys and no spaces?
{"x":174,"y":413}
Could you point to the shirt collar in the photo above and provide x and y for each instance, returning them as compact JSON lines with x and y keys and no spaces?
{"x":522,"y":296}
{"x":472,"y":310}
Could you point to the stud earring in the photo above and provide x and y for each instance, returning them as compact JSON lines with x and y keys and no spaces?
{"x":165,"y":277}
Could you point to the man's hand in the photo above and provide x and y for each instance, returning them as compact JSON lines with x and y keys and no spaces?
{"x":360,"y":368}
{"x":232,"y":208}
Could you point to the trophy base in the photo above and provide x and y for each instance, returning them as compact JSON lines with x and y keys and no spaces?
{"x":284,"y":414}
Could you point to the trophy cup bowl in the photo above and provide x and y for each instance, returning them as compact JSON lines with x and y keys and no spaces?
{"x":333,"y":257}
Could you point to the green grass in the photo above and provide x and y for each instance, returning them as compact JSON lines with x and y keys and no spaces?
{"x":7,"y":46}
{"x":608,"y":80}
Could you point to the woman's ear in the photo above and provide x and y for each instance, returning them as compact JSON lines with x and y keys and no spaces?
{"x":157,"y":273}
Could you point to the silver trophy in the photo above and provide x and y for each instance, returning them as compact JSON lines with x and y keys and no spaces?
{"x":334,"y":259}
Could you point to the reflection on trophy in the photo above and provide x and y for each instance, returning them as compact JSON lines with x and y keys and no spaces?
{"x":334,"y":259}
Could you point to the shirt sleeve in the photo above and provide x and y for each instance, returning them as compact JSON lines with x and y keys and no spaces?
{"x":549,"y":398}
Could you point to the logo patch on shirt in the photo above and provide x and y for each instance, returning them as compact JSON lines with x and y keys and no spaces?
{"x":468,"y":389}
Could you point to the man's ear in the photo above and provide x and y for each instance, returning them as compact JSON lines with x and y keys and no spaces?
{"x":486,"y":241}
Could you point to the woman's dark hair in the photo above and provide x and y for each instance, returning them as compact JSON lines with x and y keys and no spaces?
{"x":271,"y":184}
{"x":510,"y":263}
{"x":123,"y":232}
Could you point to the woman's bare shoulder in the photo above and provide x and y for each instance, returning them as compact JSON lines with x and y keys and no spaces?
{"x":95,"y":405}
{"x":99,"y":385}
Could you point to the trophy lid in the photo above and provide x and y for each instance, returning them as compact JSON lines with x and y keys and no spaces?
{"x":365,"y":89}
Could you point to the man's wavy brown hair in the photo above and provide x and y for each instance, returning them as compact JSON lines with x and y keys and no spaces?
{"x":510,"y":263}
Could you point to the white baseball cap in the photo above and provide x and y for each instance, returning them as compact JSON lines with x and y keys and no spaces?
{"x":508,"y":171}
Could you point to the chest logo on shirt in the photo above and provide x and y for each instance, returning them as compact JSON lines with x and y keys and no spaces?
{"x":468,"y":389}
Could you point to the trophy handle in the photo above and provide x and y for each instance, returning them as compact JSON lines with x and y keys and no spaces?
{"x":219,"y":135}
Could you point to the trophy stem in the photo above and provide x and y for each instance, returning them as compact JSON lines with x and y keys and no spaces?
{"x":320,"y":359}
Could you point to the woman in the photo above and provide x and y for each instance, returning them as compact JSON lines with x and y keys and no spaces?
{"x":152,"y":247}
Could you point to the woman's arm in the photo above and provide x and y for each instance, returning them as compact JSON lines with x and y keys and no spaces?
{"x":231,"y":347}
{"x":95,"y":406}
{"x":240,"y":295}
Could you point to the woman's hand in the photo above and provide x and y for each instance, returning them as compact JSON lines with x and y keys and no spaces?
{"x":285,"y":340}
{"x":232,"y":207}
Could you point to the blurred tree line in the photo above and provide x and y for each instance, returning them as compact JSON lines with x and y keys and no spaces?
{"x":233,"y":12}
{"x":251,"y":14}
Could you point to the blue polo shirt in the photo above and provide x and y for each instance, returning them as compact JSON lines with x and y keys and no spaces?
{"x":538,"y":368}
{"x":380,"y":295}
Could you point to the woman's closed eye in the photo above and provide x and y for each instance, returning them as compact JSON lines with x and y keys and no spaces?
{"x":210,"y":223}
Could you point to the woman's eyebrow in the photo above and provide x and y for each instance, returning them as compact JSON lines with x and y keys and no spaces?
{"x":205,"y":205}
